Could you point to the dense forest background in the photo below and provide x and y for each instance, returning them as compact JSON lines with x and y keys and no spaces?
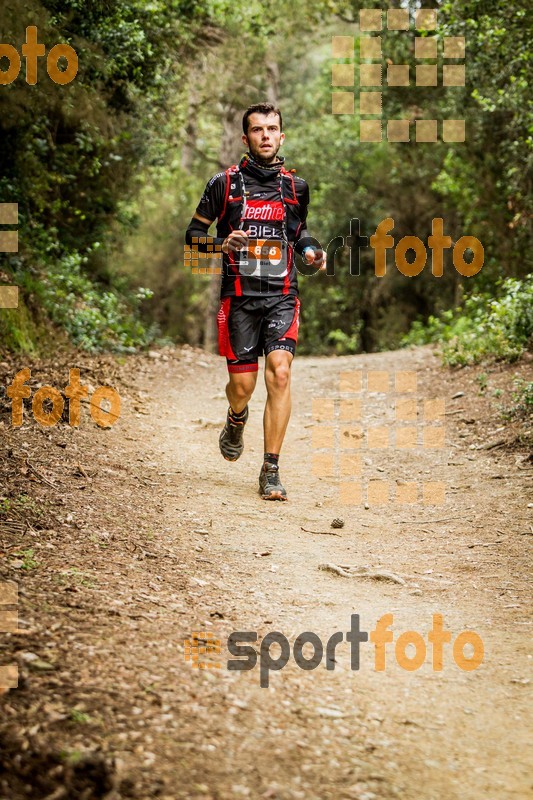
{"x":108,"y":169}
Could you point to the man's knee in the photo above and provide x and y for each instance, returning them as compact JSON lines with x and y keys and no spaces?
{"x":241,"y":390}
{"x":242,"y":387}
{"x":278,"y":375}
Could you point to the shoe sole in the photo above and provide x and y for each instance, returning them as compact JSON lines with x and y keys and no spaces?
{"x":230,"y":459}
{"x":274,"y":496}
{"x":236,"y":447}
{"x":239,"y":451}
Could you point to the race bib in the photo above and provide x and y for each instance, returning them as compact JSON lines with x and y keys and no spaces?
{"x":263,"y":258}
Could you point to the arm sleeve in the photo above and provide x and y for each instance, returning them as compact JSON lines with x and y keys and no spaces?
{"x":198,"y":229}
{"x":212,"y":200}
{"x":210,"y":207}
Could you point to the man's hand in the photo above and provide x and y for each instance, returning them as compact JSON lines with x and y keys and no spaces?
{"x":315,"y":256}
{"x":237,"y":240}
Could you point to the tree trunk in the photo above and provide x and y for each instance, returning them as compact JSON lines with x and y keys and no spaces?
{"x":187,"y":150}
{"x":273,"y":82}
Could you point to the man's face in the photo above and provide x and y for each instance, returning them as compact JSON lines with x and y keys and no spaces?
{"x":264,"y":136}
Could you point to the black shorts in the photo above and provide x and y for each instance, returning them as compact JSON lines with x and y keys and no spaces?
{"x":249,"y":327}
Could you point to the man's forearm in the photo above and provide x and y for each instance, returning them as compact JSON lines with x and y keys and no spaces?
{"x":305,"y":240}
{"x":199,"y":230}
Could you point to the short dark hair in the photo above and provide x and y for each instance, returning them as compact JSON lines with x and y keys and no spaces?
{"x":260,"y":108}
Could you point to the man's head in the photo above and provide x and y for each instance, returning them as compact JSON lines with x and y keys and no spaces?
{"x":262,"y":133}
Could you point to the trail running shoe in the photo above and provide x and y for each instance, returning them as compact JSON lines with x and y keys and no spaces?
{"x":230,"y":440}
{"x":270,"y":486}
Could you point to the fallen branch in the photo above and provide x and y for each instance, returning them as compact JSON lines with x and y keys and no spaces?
{"x":426,"y":521}
{"x":499,"y":443}
{"x":348,"y":571}
{"x":38,"y":474}
{"x":324,"y":533}
{"x":12,"y":525}
{"x":484,"y":544}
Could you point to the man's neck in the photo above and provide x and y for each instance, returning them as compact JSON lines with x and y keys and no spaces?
{"x":266,"y":162}
{"x":263,"y":162}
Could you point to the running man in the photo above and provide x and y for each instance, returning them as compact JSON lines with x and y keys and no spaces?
{"x":261,"y":211}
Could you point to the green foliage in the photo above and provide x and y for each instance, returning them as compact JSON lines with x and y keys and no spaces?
{"x":522,"y":406}
{"x":80,"y":717}
{"x":71,"y":155}
{"x":21,"y":330}
{"x":107,"y":170}
{"x":28,"y":560}
{"x":75,"y":577}
{"x":484,"y":328}
{"x":481,"y":187}
{"x":21,"y":505}
{"x":482,"y":379}
{"x":92,"y":317}
{"x":488,"y":180}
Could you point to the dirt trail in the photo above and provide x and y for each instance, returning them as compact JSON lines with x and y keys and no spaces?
{"x":170,"y":539}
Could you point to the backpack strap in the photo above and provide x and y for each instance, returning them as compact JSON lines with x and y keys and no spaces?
{"x":233,"y":170}
{"x":290,"y":174}
{"x":289,"y":198}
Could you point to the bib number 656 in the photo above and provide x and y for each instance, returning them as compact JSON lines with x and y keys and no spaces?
{"x":263,"y":258}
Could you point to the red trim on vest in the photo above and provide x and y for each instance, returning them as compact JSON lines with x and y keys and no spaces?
{"x":294,"y":201}
{"x":286,"y":279}
{"x":226,"y":195}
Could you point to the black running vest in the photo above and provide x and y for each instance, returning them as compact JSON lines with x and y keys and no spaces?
{"x":271,"y":206}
